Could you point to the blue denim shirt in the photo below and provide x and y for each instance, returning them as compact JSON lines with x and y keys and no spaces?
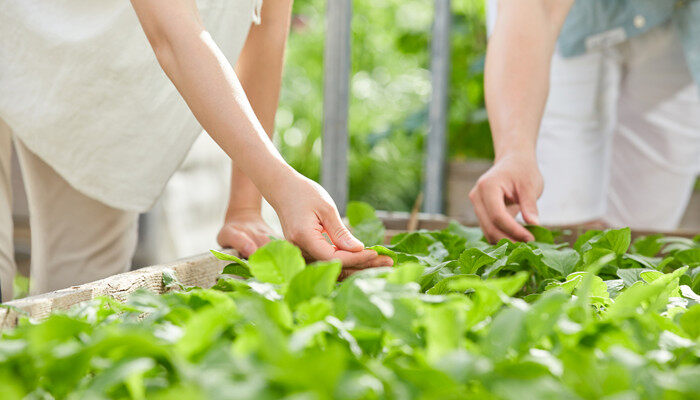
{"x":595,"y":24}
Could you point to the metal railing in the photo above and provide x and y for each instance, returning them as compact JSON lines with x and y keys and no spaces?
{"x":337,"y":62}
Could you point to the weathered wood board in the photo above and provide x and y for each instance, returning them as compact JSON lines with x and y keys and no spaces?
{"x":202,"y":270}
{"x":396,"y":222}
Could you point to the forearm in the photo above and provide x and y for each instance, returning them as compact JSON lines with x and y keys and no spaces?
{"x":517,"y":70}
{"x":208,"y":84}
{"x":259,"y":70}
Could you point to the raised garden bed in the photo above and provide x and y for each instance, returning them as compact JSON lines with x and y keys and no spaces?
{"x":607,"y":317}
{"x":201,"y":271}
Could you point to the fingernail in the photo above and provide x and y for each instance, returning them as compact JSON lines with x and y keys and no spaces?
{"x":353,"y":242}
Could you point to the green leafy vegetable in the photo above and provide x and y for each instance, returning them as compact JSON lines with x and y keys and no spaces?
{"x":455,"y":317}
{"x":365,"y":224}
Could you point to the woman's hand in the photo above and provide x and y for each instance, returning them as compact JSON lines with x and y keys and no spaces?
{"x":244,"y":231}
{"x":512,"y":185}
{"x":307,"y":212}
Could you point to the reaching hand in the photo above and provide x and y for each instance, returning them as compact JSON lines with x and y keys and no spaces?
{"x":512,"y":185}
{"x":244,"y":231}
{"x":307,"y":212}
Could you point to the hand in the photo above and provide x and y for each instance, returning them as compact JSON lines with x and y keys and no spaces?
{"x":512,"y":185}
{"x":245,"y":231}
{"x":306,"y":212}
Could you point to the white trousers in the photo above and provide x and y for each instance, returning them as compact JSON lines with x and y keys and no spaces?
{"x":620,"y":137}
{"x":74,"y":238}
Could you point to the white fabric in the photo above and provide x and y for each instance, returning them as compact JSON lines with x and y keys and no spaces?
{"x":80,"y":86}
{"x":620,"y":137}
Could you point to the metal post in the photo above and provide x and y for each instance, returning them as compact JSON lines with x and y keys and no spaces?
{"x":434,"y":176}
{"x":336,"y":82}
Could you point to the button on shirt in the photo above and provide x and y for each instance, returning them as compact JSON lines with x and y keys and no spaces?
{"x":594,"y":24}
{"x":81,"y":88}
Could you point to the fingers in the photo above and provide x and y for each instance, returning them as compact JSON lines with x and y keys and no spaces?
{"x":312,"y":243}
{"x":363,"y":259}
{"x":494,"y":204}
{"x":528,"y":205}
{"x":316,"y":247}
{"x":338,"y":232}
{"x":491,"y":232}
{"x":260,"y":238}
{"x":381,"y":261}
{"x":230,"y":237}
{"x":494,"y":217}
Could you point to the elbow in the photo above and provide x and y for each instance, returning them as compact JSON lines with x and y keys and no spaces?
{"x":164,"y":54}
{"x":167,"y":40}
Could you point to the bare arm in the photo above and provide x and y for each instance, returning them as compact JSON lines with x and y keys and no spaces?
{"x":209,"y":85}
{"x":516,"y":83}
{"x":259,"y":68}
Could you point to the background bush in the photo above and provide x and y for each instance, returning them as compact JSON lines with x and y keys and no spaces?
{"x":390,"y":90}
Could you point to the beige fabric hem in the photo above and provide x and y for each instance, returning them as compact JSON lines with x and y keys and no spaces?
{"x":75,"y":239}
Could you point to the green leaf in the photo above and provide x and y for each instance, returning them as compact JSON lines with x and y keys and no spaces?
{"x":238,"y":267}
{"x":413,"y":243}
{"x":314,"y":310}
{"x":648,"y":246}
{"x":541,"y":234}
{"x":689,"y":257}
{"x":118,"y":374}
{"x":471,"y":260}
{"x":405,"y":273}
{"x":506,"y":332}
{"x":563,"y":261}
{"x":617,"y":240}
{"x":583,"y":240}
{"x":631,"y":275}
{"x":364,"y":223}
{"x":690,"y":321}
{"x":469,"y":234}
{"x":445,"y":328}
{"x":383,"y":251}
{"x":226,"y":256}
{"x":204,"y":327}
{"x":507,"y":286}
{"x":170,"y":279}
{"x":276,"y":262}
{"x":316,"y":280}
{"x":544,"y":313}
{"x":444,"y":286}
{"x":237,"y":270}
{"x":627,"y":302}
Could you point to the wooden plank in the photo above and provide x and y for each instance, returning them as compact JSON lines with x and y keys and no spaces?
{"x":396,"y":222}
{"x":434,"y":176}
{"x":336,"y":82}
{"x":202,"y":270}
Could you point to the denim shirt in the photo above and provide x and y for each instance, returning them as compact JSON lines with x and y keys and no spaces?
{"x":594,"y":24}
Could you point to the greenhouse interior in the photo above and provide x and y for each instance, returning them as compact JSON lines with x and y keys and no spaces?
{"x":350,"y":199}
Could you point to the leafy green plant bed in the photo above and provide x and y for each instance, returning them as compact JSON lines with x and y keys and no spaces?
{"x":455,"y":317}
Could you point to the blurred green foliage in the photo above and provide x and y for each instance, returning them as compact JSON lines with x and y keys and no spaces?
{"x":390,"y":90}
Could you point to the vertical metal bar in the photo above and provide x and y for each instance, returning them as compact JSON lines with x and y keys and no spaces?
{"x":434,"y":174}
{"x":334,"y":164}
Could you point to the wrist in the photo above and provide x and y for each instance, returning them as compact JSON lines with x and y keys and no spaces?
{"x":516,"y":149}
{"x":234,"y":213}
{"x":244,"y":198}
{"x":277,"y":182}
